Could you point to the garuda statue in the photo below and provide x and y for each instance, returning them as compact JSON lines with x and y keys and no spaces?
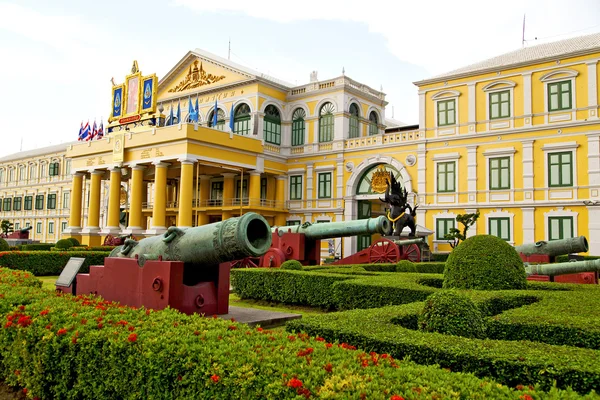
{"x":397,"y":199}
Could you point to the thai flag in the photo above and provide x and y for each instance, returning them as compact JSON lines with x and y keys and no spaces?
{"x":94,"y":132}
{"x":85,"y":134}
{"x":79,"y":137}
{"x":100,"y":133}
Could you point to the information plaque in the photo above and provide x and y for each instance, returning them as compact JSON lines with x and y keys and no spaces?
{"x":69,"y":271}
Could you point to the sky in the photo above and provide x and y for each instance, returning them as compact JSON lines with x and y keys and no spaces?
{"x":57,"y":57}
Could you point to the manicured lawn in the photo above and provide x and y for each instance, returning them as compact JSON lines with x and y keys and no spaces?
{"x":48,"y":281}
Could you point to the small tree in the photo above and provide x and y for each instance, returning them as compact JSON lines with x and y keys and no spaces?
{"x":455,"y":234}
{"x":7,"y":227}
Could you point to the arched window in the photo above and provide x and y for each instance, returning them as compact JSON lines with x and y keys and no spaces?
{"x":364,"y":183}
{"x":298,"y":127}
{"x":241,"y":118}
{"x":373,"y":122}
{"x":220,"y":119}
{"x":272,"y":125}
{"x":326,"y":122}
{"x":354,"y":131}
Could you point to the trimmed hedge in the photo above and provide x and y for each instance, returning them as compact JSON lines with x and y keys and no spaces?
{"x":4,"y":245}
{"x":60,"y":346}
{"x":37,"y":246}
{"x":422,"y":267}
{"x":511,"y":362}
{"x":452,"y":313}
{"x":43,"y":263}
{"x":440,"y":257}
{"x":484,"y":262}
{"x":74,"y":242}
{"x":291,"y":265}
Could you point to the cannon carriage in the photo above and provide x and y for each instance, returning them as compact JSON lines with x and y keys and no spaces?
{"x":186,"y":268}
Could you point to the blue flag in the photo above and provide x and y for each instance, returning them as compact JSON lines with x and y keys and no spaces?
{"x":80,"y":137}
{"x":197,"y":110}
{"x":231,"y":120}
{"x":179,"y":112}
{"x":216,"y":111}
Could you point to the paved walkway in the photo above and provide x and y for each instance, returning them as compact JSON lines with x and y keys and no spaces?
{"x":254,"y":316}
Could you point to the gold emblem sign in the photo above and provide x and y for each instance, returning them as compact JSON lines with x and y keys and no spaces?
{"x":380,"y":179}
{"x":118,"y":147}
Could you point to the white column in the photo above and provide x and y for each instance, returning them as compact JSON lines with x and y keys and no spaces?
{"x":421,"y":172}
{"x":594,"y":229}
{"x":338,"y":127}
{"x":594,"y":164}
{"x":422,"y":111}
{"x":472,"y":174}
{"x":350,"y":215}
{"x":471,"y":99}
{"x":339,"y":181}
{"x":309,"y":185}
{"x":592,"y":90}
{"x":527,"y":170}
{"x":528,"y":225}
{"x":527,"y":113}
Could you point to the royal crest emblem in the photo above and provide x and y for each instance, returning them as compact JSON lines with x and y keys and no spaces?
{"x":379,"y":180}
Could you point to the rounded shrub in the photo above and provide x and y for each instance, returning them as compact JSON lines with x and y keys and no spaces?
{"x":63,"y":244}
{"x":406,"y":266}
{"x":484,"y":262}
{"x":291,"y":264}
{"x":452,"y":313}
{"x":74,"y":242}
{"x":4,"y":245}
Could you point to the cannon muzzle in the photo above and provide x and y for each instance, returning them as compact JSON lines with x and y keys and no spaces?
{"x":212,"y":244}
{"x":328,"y":230}
{"x":572,"y":267}
{"x":555,"y":247}
{"x":26,"y":229}
{"x":409,"y":241}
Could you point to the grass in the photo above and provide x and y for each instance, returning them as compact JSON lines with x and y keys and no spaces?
{"x":48,"y":282}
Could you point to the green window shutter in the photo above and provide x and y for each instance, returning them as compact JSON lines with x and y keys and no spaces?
{"x":325,"y":185}
{"x":354,"y":130}
{"x":443,"y":226}
{"x":560,"y":228}
{"x":296,"y":187}
{"x":373,"y":124}
{"x":499,"y":173}
{"x":298,"y":127}
{"x":326,"y":123}
{"x":28,"y":203}
{"x":446,"y":112}
{"x":499,"y":227}
{"x":272,"y":125}
{"x":446,"y":176}
{"x":559,"y":96}
{"x":560,"y":169}
{"x":499,"y":104}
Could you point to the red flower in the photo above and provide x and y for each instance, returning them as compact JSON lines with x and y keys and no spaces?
{"x":215,"y":378}
{"x":44,"y":312}
{"x":121,"y":322}
{"x":179,"y":377}
{"x":526,"y":397}
{"x":303,"y":392}
{"x":196,"y":333}
{"x":306,"y":352}
{"x":294,"y":383}
{"x":83,"y":321}
{"x":132,"y":337}
{"x":328,"y":345}
{"x":131,"y":328}
{"x":396,"y":397}
{"x":319,"y":339}
{"x":49,"y":326}
{"x":74,"y":339}
{"x":328,"y":367}
{"x":259,"y":329}
{"x":25,"y":390}
{"x":22,"y":308}
{"x":17,"y":372}
{"x":61,"y":331}
{"x":232,"y":327}
{"x":100,"y":325}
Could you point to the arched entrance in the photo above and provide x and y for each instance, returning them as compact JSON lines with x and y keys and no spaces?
{"x":362,"y":201}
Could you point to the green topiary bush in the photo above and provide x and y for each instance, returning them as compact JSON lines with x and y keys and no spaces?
{"x":406,"y":266}
{"x":291,"y":264}
{"x":74,"y":242}
{"x":4,"y":245}
{"x":451,"y":313}
{"x":63,"y":244}
{"x":484,"y":262}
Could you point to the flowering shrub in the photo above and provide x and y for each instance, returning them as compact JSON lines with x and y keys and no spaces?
{"x":82,"y":347}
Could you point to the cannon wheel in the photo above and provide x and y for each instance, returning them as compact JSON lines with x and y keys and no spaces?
{"x":247,"y":262}
{"x":410,"y":252}
{"x":384,"y":251}
{"x":273,"y":258}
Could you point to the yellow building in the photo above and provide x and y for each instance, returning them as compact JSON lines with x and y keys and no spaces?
{"x":516,"y":137}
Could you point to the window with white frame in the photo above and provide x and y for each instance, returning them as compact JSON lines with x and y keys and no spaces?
{"x":559,"y":90}
{"x":443,"y":226}
{"x":296,"y":187}
{"x":560,"y":228}
{"x":66,"y":202}
{"x":446,"y":112}
{"x":499,"y":227}
{"x":446,"y":176}
{"x":38,"y":227}
{"x":50,"y":227}
{"x":500,"y":96}
{"x":63,"y":226}
{"x":499,"y":173}
{"x":560,"y":169}
{"x":324,"y":180}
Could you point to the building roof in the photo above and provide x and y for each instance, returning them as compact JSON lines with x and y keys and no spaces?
{"x":55,"y":148}
{"x":525,"y":56}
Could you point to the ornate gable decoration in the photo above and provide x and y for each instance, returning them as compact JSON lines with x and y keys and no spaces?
{"x":196,"y":77}
{"x":133,"y":98}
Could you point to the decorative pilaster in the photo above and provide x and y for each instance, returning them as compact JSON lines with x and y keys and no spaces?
{"x":528,"y":171}
{"x":280,"y":184}
{"x":592,"y":90}
{"x":528,"y":224}
{"x":204,"y":197}
{"x":228,"y":194}
{"x":472,"y":174}
{"x":527,"y":113}
{"x":254,"y":189}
